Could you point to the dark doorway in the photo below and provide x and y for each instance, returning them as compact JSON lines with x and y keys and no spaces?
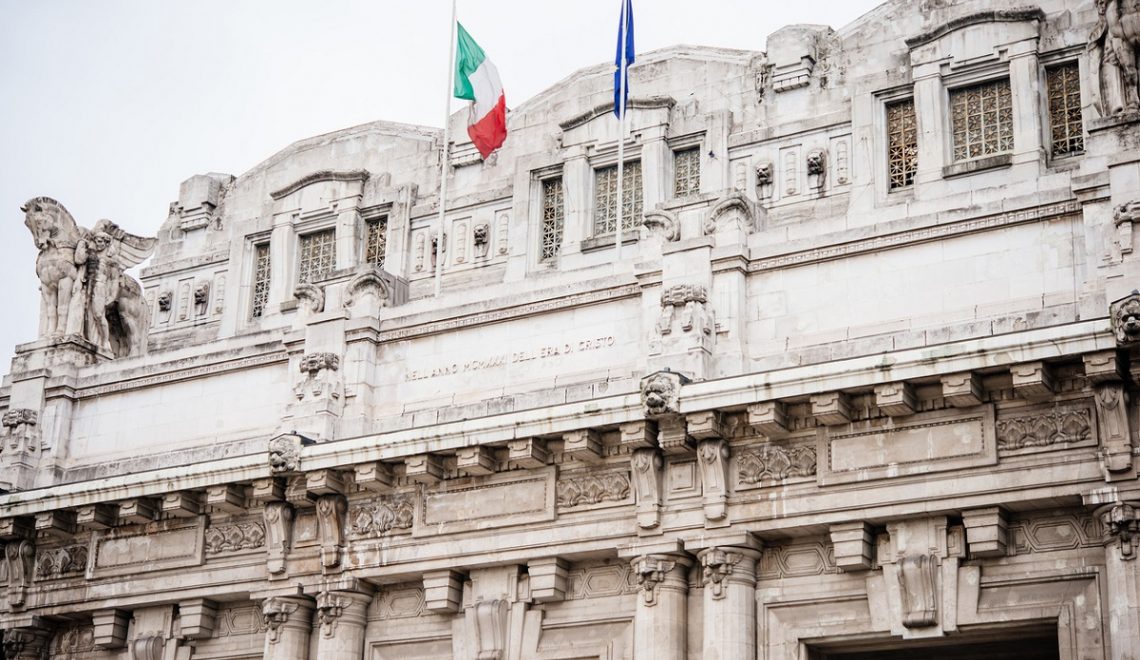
{"x":1035,"y":645}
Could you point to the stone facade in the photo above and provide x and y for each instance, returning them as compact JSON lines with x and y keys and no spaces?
{"x":864,"y":380}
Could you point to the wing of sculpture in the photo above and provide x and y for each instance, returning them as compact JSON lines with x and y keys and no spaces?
{"x":132,"y":250}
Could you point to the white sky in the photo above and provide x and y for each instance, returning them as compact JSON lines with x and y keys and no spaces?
{"x":107,"y":106}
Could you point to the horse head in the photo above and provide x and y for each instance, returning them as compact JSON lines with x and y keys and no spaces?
{"x":50,"y":223}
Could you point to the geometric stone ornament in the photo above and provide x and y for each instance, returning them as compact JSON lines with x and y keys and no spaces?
{"x":20,"y":556}
{"x":278,"y":518}
{"x":330,"y":526}
{"x":651,"y":571}
{"x":491,"y":619}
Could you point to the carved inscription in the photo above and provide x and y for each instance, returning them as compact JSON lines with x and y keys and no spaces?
{"x":381,"y":516}
{"x":593,"y":489}
{"x":572,"y":347}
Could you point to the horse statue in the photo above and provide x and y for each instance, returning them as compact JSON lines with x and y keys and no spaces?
{"x":1113,"y":43}
{"x":83,"y":286}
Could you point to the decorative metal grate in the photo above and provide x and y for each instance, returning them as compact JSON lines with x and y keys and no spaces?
{"x":318,"y":255}
{"x":686,"y":172}
{"x":375,"y":241}
{"x":982,"y":118}
{"x":260,"y":278}
{"x":1065,"y":121}
{"x":553,"y":217}
{"x":605,"y":198}
{"x":902,"y":143}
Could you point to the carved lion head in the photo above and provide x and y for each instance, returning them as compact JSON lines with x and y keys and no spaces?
{"x":1126,"y":320}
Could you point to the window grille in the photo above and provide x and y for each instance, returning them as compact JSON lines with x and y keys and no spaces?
{"x":260,"y":278}
{"x":1065,"y":123}
{"x":375,"y":241}
{"x":902,"y":143}
{"x":553,"y":217}
{"x":318,"y":255}
{"x":605,"y":198}
{"x":686,"y":172}
{"x":982,"y":117}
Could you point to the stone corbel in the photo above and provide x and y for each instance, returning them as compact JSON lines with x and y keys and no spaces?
{"x":1120,"y":526}
{"x":661,"y":225}
{"x":491,"y":618}
{"x":918,"y":589}
{"x":196,"y":618}
{"x":1115,"y":430}
{"x":549,"y":579}
{"x":330,"y":527}
{"x":20,"y":555}
{"x":769,"y":418}
{"x":733,"y":213}
{"x":310,"y":299}
{"x":963,"y":390}
{"x":852,"y":545}
{"x":111,"y":628}
{"x":712,"y":457}
{"x":148,"y":647}
{"x":443,"y":591}
{"x":1125,"y":316}
{"x":647,"y":467}
{"x":278,"y":536}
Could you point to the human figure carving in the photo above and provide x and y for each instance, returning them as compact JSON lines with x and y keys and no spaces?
{"x":1113,"y":44}
{"x":85,"y":291}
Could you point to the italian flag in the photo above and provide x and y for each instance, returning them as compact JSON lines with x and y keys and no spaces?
{"x":477,"y":80}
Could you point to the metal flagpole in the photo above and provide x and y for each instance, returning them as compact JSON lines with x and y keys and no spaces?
{"x":446,"y":152}
{"x":621,"y":128}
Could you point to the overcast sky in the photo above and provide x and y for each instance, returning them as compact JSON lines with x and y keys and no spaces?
{"x":107,"y":106}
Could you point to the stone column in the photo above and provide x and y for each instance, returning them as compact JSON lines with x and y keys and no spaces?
{"x":26,"y":643}
{"x":340,"y":621}
{"x":290,"y":621}
{"x":729,"y":577}
{"x":1121,"y":528}
{"x":660,"y":624}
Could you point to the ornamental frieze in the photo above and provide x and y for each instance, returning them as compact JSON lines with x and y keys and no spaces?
{"x":234,"y":537}
{"x":380,"y":516}
{"x":1044,"y":428}
{"x":770,"y":463}
{"x":592,"y":489}
{"x":55,"y":563}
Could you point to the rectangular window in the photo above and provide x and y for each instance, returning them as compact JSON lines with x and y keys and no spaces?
{"x":982,"y":117}
{"x":686,"y":172}
{"x":902,"y":143}
{"x":553,"y":217}
{"x":1065,"y":122}
{"x":317,"y":255}
{"x":605,"y":198}
{"x":261,"y":266}
{"x":375,"y":241}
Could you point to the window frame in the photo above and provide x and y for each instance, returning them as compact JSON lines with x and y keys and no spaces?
{"x":384,"y":218}
{"x":595,"y":169}
{"x":254,"y":244}
{"x":299,"y":255}
{"x":1071,"y":57}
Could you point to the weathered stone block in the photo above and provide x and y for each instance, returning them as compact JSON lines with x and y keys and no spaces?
{"x":548,"y":579}
{"x":583,"y":445}
{"x":831,"y":408}
{"x":374,"y":476}
{"x":528,"y":453}
{"x":58,"y":523}
{"x":197,"y":618}
{"x":853,"y":543}
{"x":443,"y":591}
{"x":111,"y":628}
{"x":424,"y":469}
{"x":138,"y":511}
{"x":97,"y":516}
{"x":183,"y":504}
{"x":769,"y":418}
{"x":986,"y":531}
{"x":1033,"y":380}
{"x":963,"y":390}
{"x":473,"y":461}
{"x":896,"y":399}
{"x":229,"y":498}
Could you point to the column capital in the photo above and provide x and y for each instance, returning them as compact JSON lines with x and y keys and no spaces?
{"x":286,"y":612}
{"x":657,"y":572}
{"x":1120,"y":525}
{"x":723,"y":565}
{"x":336,"y":606}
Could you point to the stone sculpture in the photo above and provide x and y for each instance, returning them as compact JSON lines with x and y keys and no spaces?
{"x":84,"y":289}
{"x":1113,"y":45}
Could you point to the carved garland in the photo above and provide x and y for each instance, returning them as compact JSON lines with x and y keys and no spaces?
{"x":774,"y":463}
{"x":235,"y":537}
{"x":1056,"y":427}
{"x":593,"y":489}
{"x":380,"y":517}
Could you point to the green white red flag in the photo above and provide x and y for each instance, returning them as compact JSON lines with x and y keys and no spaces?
{"x":477,"y":80}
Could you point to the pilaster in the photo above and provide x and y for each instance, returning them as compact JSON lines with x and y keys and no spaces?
{"x":340,"y":621}
{"x":661,"y":622}
{"x":290,"y":622}
{"x":1120,"y":527}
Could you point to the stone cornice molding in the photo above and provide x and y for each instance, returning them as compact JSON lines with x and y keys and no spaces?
{"x":649,"y":103}
{"x":318,"y":177}
{"x":1016,"y":15}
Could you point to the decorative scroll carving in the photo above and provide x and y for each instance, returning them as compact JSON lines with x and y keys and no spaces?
{"x":20,"y":555}
{"x":235,"y":537}
{"x":716,"y":566}
{"x":688,"y":302}
{"x":490,"y":629}
{"x":1121,"y":525}
{"x":732,"y":211}
{"x":661,"y":393}
{"x":74,"y":639}
{"x":320,"y":380}
{"x":148,"y":647}
{"x":279,"y":535}
{"x":1044,"y":429}
{"x":311,"y":298}
{"x":330,"y":526}
{"x":1115,"y":431}
{"x":651,"y":571}
{"x":277,"y":612}
{"x":1125,"y":316}
{"x":775,"y":463}
{"x":916,"y":584}
{"x":592,"y":489}
{"x":285,"y":454}
{"x":381,"y":516}
{"x":647,"y":464}
{"x":660,"y":222}
{"x":83,"y":285}
{"x":55,"y":563}
{"x":712,"y":456}
{"x":1113,"y":44}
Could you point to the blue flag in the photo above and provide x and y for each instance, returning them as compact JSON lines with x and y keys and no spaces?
{"x":622,"y":63}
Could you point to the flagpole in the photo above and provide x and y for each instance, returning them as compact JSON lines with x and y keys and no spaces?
{"x":624,"y":69}
{"x":446,"y":152}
